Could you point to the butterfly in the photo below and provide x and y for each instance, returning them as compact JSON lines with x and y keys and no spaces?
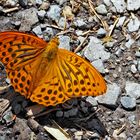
{"x":44,"y":73}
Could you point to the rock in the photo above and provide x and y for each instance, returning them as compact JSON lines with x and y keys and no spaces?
{"x":64,"y":42}
{"x":48,"y":33}
{"x":95,"y":50}
{"x":27,"y":17}
{"x":59,"y":113}
{"x":132,"y":89}
{"x":107,"y":2}
{"x":120,"y":5}
{"x":73,"y":112}
{"x":101,"y":9}
{"x":98,"y":64}
{"x":133,"y":5}
{"x":139,"y":65}
{"x":128,"y":102}
{"x":23,"y":3}
{"x":39,"y":2}
{"x":121,"y":21}
{"x":129,"y":43}
{"x":54,"y":13}
{"x":37,"y":30}
{"x":61,"y":2}
{"x":133,"y":24}
{"x":137,"y":54}
{"x":45,"y":5}
{"x":41,"y":14}
{"x":110,"y":98}
{"x":133,"y":68}
{"x":63,"y":23}
{"x":80,"y":23}
{"x":101,"y":32}
{"x":92,"y":100}
{"x":132,"y":119}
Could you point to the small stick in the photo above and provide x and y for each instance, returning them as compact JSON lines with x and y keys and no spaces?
{"x":93,"y":10}
{"x":10,"y":10}
{"x":79,"y":47}
{"x":116,"y":21}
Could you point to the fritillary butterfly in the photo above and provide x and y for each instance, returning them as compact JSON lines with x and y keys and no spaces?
{"x":44,"y":73}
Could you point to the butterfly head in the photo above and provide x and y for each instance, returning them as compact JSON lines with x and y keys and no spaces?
{"x":51,"y":49}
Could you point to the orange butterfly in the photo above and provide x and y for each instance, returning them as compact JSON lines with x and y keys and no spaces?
{"x":44,"y":73}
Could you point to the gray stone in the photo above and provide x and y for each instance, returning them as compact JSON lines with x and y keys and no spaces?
{"x":80,"y":23}
{"x":133,"y":68}
{"x":59,"y":113}
{"x":137,"y":54}
{"x":121,"y":21}
{"x":92,"y":100}
{"x":129,"y":43}
{"x":27,"y":17}
{"x":54,"y":13}
{"x":98,"y":64}
{"x":128,"y":102}
{"x":132,"y":89}
{"x":64,"y":42}
{"x":61,"y":2}
{"x":139,"y":65}
{"x":85,"y":109}
{"x":107,"y":2}
{"x":132,"y":119}
{"x":41,"y":14}
{"x":95,"y":50}
{"x":23,"y":3}
{"x":37,"y":30}
{"x":66,"y":114}
{"x":38,"y":2}
{"x":120,"y":5}
{"x":73,"y":112}
{"x":101,"y":9}
{"x":133,"y":5}
{"x":101,"y":32}
{"x":133,"y":24}
{"x":48,"y":33}
{"x":63,"y":23}
{"x":110,"y":98}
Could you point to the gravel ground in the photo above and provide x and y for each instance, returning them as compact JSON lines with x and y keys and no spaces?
{"x":106,"y":33}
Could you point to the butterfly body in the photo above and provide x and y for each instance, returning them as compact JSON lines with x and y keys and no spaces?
{"x":44,"y":73}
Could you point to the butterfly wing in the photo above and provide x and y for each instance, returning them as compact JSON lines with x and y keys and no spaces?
{"x":19,"y":53}
{"x":68,"y":76}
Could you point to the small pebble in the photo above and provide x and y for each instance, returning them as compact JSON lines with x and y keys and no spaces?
{"x":128,"y":102}
{"x":37,"y":30}
{"x":107,"y":2}
{"x":120,"y":5}
{"x":133,"y":5}
{"x":59,"y":114}
{"x":132,"y":89}
{"x":98,"y":64}
{"x":80,"y":23}
{"x":54,"y":12}
{"x":133,"y":24}
{"x":101,"y":32}
{"x":133,"y":69}
{"x":121,"y":21}
{"x":92,"y":101}
{"x":111,"y":96}
{"x":23,"y":3}
{"x":101,"y":9}
{"x":139,"y":65}
{"x":137,"y":54}
{"x":41,"y":14}
{"x":64,"y":42}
